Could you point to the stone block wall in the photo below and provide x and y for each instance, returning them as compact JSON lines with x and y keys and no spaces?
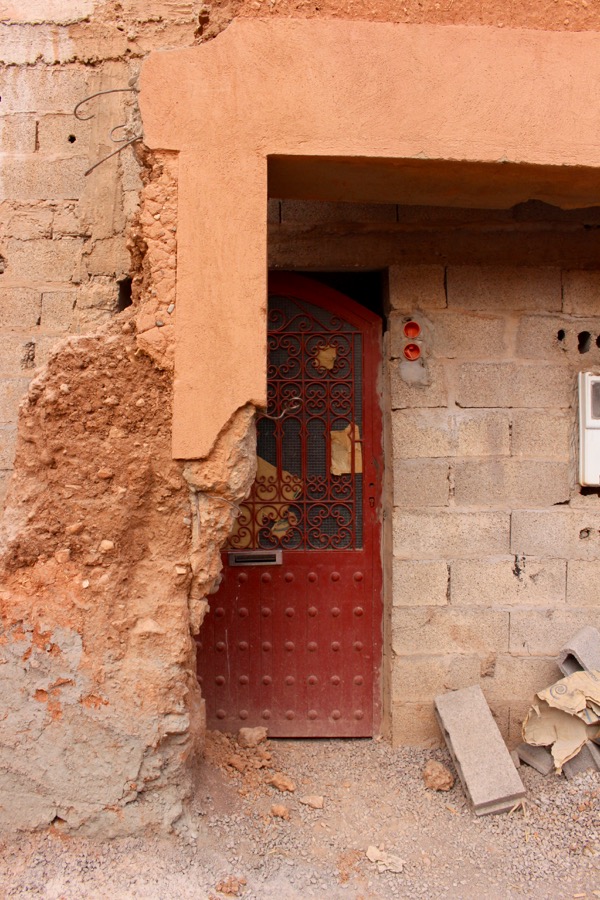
{"x":496,"y":549}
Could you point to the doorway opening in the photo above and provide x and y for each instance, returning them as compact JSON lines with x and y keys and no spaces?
{"x":293,"y":640}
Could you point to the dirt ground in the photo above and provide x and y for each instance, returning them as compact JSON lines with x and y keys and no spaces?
{"x":233,"y":845}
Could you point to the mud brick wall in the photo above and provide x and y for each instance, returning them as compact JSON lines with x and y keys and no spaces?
{"x":496,"y":549}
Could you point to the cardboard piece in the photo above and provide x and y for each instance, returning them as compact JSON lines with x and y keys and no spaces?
{"x":566,"y":716}
{"x":272,"y":499}
{"x":341,"y":451}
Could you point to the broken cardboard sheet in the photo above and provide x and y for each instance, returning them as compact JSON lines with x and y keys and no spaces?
{"x":269,"y":511}
{"x":341,"y":451}
{"x":326,"y":357}
{"x":567,"y":715}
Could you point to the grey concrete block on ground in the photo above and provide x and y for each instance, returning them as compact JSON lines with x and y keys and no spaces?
{"x":587,"y":758}
{"x":538,"y":758}
{"x":581,"y":652}
{"x":482,"y":760}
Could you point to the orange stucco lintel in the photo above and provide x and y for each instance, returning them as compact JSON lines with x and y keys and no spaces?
{"x":523,"y":103}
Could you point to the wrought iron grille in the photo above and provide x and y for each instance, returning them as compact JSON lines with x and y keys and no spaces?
{"x":308,"y":490}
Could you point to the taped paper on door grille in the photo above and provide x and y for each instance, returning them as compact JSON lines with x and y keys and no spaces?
{"x":341,"y":451}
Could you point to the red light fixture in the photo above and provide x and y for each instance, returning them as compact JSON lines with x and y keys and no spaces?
{"x":412,"y":351}
{"x":412,"y":329}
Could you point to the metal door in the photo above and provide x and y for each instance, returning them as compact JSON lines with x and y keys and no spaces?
{"x":293,"y":637}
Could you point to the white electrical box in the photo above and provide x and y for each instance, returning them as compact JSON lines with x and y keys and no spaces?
{"x":589,"y":429}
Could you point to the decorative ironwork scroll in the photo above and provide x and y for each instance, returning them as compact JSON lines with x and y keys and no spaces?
{"x":308,"y":489}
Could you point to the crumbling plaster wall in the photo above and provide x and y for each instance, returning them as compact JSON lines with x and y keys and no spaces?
{"x":109,"y":546}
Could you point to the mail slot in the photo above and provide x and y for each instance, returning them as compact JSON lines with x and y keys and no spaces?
{"x":254,"y":557}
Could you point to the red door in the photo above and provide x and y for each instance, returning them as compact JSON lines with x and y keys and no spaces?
{"x":293,"y":637}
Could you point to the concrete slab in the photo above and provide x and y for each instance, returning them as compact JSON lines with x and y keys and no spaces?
{"x":582,"y":652}
{"x":587,"y":758}
{"x":482,"y":760}
{"x":538,"y":758}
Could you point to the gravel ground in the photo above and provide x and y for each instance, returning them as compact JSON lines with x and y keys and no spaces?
{"x":373,"y":795}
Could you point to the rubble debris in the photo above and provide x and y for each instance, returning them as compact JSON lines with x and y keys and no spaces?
{"x":582,"y":652}
{"x":565,"y":716}
{"x":279,"y":811}
{"x":587,"y":758}
{"x":437,"y":776}
{"x":386,"y":862}
{"x":312,"y":800}
{"x":538,"y":758}
{"x":515,"y":758}
{"x":281,"y":782}
{"x":251,"y":737}
{"x":230,"y":886}
{"x":481,"y":757}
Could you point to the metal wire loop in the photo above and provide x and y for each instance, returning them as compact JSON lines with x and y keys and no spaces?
{"x":99,"y":94}
{"x":291,"y":406}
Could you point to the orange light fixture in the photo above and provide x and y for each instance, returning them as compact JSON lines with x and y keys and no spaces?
{"x":412,"y":351}
{"x":412,"y":329}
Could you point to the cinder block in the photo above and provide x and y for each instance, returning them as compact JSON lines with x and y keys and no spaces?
{"x":557,"y":337}
{"x":524,"y":581}
{"x":420,"y":678}
{"x":431,"y":433}
{"x":44,"y":88}
{"x":581,"y":293}
{"x":417,"y":287}
{"x":587,"y":758}
{"x":420,"y":583}
{"x":108,"y":257}
{"x":55,"y":11}
{"x":482,"y":760}
{"x":536,"y":632}
{"x":415,"y":725}
{"x":443,"y":533}
{"x":19,"y":307}
{"x":583,"y":583}
{"x":561,"y":533}
{"x":421,"y":482}
{"x":63,"y":135}
{"x":12,"y":391}
{"x":17,"y":133}
{"x":513,"y":384}
{"x":316,"y":212}
{"x":45,"y":260}
{"x":17,"y":354}
{"x":8,"y":437}
{"x":464,"y":334}
{"x":58,"y":310}
{"x":510,"y":482}
{"x":28,"y":223}
{"x":425,"y":433}
{"x":504,"y":288}
{"x":57,"y":179}
{"x":442,"y":629}
{"x":581,"y":652}
{"x":483,"y":433}
{"x":542,"y":435}
{"x":538,"y":758}
{"x":509,"y":680}
{"x":432,"y":392}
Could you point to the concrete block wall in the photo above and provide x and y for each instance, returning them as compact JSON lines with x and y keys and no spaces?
{"x":63,"y":234}
{"x":496,"y":549}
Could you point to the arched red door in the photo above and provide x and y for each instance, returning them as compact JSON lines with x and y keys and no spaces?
{"x":293,"y":637}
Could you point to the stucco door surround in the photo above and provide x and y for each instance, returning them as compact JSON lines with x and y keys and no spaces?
{"x":345,"y":110}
